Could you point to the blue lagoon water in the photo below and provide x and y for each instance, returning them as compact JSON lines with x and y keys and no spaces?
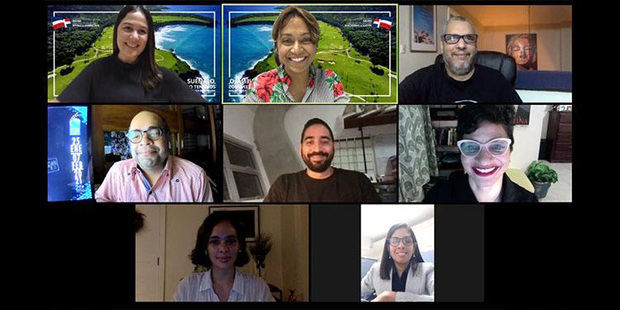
{"x":248,"y":45}
{"x":195,"y":45}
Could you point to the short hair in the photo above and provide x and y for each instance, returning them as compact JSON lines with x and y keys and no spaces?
{"x":285,"y":17}
{"x":163,"y":122}
{"x":316,"y":121}
{"x":472,"y":115}
{"x":386,"y":263}
{"x":458,"y":18}
{"x":151,"y":74}
{"x":199,"y":255}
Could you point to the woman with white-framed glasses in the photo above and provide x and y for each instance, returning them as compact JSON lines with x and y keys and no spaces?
{"x":485,"y":140}
{"x":401,"y":274}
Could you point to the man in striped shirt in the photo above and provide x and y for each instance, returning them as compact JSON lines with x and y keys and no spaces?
{"x":152,"y":174}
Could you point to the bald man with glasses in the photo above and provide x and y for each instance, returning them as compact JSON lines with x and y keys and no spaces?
{"x":458,"y":79}
{"x":152,"y":174}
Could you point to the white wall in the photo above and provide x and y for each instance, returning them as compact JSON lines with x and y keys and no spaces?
{"x":239,"y":123}
{"x":408,"y":61}
{"x":527,"y":139}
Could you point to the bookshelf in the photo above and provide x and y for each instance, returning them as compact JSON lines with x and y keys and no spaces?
{"x":443,"y":120}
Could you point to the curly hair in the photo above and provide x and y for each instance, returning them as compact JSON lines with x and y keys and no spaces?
{"x":199,"y":256}
{"x":471,"y":116}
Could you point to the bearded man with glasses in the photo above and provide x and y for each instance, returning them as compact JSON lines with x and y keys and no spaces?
{"x":458,"y":78}
{"x":152,"y":174}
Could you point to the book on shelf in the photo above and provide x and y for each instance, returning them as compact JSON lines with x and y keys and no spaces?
{"x":445,"y":136}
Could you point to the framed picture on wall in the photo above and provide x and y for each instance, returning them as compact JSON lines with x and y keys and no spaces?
{"x":522,"y":47}
{"x":424,"y":30}
{"x":522,"y":117}
{"x":246,"y":215}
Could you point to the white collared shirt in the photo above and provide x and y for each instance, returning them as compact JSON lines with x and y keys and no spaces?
{"x":199,"y":287}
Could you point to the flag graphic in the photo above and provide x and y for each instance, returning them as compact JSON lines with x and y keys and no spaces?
{"x":60,"y":22}
{"x":384,"y":22}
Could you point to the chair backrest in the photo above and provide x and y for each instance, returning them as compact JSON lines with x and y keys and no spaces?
{"x":494,"y":60}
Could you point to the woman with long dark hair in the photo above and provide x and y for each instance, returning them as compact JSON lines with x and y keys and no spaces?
{"x":130,"y":74}
{"x":221,"y":248}
{"x":402,"y":274}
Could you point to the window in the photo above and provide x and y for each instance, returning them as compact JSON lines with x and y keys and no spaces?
{"x":241,"y":174}
{"x":350,"y":155}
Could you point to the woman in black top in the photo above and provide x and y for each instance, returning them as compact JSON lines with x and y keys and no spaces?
{"x":485,"y":139}
{"x":130,"y":74}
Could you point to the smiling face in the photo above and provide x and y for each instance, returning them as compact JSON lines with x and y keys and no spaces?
{"x":317,"y":148}
{"x":295,"y":47}
{"x":459,"y":57}
{"x":521,"y":51}
{"x":148,"y":153}
{"x":223,"y":246}
{"x":486,"y":169}
{"x":401,"y":253}
{"x":132,"y":37}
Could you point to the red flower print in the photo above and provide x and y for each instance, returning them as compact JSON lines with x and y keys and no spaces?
{"x":311,"y":83}
{"x":287,"y":80}
{"x":264,"y":85}
{"x":264,"y":94}
{"x":329,"y":73}
{"x":267,"y":80}
{"x":338,"y":89}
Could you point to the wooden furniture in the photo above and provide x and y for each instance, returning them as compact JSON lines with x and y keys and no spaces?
{"x":560,"y":136}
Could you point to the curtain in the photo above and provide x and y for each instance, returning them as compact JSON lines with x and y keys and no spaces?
{"x":417,"y":159}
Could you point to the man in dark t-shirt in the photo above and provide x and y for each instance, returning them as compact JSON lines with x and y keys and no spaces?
{"x":321,"y":182}
{"x":458,"y":79}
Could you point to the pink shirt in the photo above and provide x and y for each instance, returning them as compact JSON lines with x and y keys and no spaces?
{"x":180,"y":181}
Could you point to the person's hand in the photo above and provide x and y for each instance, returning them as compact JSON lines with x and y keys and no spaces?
{"x":386,"y":296}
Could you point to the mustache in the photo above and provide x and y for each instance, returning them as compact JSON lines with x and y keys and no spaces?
{"x":317,"y":153}
{"x":141,"y":149}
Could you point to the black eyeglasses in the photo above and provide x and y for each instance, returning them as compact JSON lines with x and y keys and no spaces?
{"x":407,"y":240}
{"x":154,"y":133}
{"x":454,"y":38}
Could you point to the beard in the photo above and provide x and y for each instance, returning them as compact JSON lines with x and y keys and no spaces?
{"x":151,"y":160}
{"x":463,"y":68}
{"x":318,"y":167}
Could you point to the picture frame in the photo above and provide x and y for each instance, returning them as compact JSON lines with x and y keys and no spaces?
{"x":246,"y":215}
{"x":522,"y":115}
{"x":423,"y":28}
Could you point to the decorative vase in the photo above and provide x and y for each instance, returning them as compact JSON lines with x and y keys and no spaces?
{"x":541,"y":188}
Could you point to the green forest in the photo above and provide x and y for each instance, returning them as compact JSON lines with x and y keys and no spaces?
{"x":77,"y":47}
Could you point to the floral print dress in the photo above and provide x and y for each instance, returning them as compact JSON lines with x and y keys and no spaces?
{"x":272,"y":86}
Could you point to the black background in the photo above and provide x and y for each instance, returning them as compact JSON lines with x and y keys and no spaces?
{"x":81,"y":255}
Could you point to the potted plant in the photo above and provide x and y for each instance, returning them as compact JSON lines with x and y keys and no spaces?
{"x":541,"y":176}
{"x":260,"y":249}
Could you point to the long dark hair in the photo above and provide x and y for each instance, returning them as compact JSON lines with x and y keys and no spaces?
{"x":199,"y":257}
{"x":151,"y":75}
{"x":387,"y":264}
